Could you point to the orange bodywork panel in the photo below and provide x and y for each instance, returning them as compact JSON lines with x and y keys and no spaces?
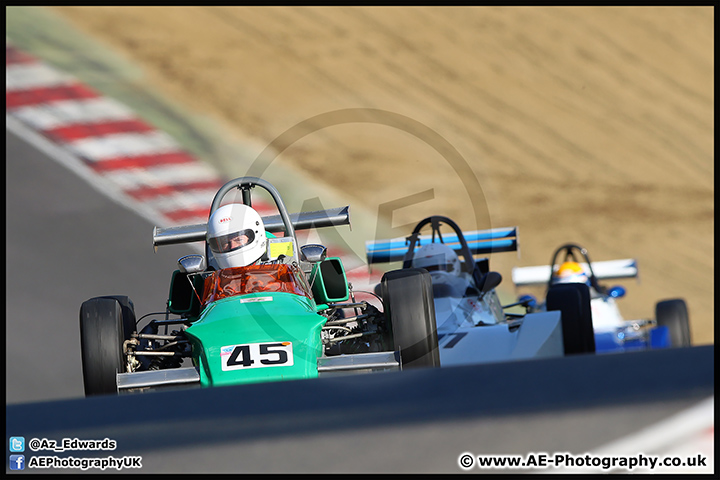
{"x":229,"y":282}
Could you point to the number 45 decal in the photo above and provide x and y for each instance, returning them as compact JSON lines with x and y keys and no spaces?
{"x":256,"y":355}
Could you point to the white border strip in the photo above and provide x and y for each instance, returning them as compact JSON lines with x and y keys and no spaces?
{"x":31,"y":76}
{"x":118,"y":145}
{"x":162,"y":176}
{"x":60,"y":113}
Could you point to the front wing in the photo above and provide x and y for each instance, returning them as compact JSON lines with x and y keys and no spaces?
{"x":185,"y":377}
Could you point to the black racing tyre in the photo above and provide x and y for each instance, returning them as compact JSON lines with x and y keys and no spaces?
{"x":101,"y":341}
{"x":128,"y":311}
{"x":673,"y":314}
{"x":573,"y":301}
{"x":410,"y":311}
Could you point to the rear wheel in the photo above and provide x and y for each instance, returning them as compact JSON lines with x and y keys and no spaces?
{"x":673,"y":314}
{"x":410,"y":311}
{"x":573,"y":301}
{"x":102,"y":333}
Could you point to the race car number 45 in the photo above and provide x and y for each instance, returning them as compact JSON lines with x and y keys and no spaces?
{"x":256,"y":355}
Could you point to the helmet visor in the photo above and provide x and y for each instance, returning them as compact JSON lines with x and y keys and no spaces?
{"x":447,"y":267}
{"x":231,"y":241}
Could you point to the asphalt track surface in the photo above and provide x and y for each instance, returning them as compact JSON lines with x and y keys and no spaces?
{"x":67,"y":242}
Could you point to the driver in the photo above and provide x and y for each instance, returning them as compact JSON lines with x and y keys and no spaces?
{"x":236,"y":236}
{"x":444,"y":266}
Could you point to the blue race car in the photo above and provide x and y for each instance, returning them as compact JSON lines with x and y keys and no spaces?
{"x":571,"y":264}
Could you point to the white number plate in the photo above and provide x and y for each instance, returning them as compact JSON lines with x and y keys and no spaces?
{"x":256,"y":355}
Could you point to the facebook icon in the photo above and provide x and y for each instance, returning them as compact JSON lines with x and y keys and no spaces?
{"x":17,"y":462}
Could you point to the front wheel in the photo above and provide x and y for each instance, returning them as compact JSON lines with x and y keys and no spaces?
{"x":573,"y":301}
{"x":673,"y":314}
{"x":128,"y":313}
{"x":102,"y":333}
{"x":410,"y":311}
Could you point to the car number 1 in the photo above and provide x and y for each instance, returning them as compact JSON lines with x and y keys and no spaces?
{"x":256,"y":355}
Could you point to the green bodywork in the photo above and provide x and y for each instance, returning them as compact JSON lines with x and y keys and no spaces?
{"x":255,"y":326}
{"x":227,"y":335}
{"x":329,"y":281}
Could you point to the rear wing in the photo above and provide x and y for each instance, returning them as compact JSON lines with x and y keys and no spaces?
{"x":273,"y":224}
{"x":609,"y":269}
{"x":480,"y":242}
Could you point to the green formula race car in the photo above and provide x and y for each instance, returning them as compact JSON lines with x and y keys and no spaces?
{"x":289,"y":315}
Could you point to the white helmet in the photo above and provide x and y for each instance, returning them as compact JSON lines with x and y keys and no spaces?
{"x":236,"y":235}
{"x":437,"y":257}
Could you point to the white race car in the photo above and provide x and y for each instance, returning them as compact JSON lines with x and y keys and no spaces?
{"x":472,"y":325}
{"x":571,"y":263}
